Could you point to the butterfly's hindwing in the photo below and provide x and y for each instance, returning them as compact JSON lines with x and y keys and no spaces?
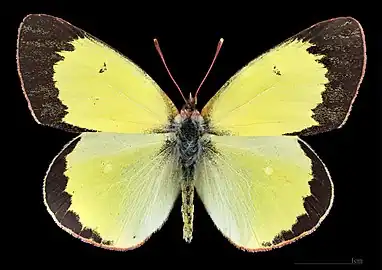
{"x":113,"y":190}
{"x":263,"y":192}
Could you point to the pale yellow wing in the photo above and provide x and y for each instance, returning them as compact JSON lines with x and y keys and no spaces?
{"x":113,"y":190}
{"x":303,"y":86}
{"x":263,"y":192}
{"x":76,"y":82}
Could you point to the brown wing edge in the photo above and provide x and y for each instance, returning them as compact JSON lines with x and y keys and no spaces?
{"x":45,"y":93}
{"x":331,"y":113}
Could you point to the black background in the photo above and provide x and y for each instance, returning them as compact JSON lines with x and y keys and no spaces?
{"x":188,"y":38}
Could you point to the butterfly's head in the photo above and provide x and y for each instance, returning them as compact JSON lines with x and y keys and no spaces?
{"x":189,"y":108}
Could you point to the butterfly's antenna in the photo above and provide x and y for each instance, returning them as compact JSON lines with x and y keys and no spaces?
{"x":168,"y":71}
{"x":213,"y":61}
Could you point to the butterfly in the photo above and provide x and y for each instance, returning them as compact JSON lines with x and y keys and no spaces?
{"x":115,"y":184}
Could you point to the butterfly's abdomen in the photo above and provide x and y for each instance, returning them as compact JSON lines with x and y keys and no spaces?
{"x":189,"y":148}
{"x":187,"y":187}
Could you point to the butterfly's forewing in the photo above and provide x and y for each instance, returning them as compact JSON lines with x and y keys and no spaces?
{"x":75,"y":82}
{"x":303,"y":86}
{"x":113,"y":190}
{"x":263,"y":192}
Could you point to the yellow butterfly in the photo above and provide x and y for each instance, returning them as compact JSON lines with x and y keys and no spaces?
{"x":115,"y":184}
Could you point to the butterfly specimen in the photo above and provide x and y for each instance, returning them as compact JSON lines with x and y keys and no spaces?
{"x":115,"y":184}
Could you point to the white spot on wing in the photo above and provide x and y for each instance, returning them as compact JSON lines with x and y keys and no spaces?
{"x":108,"y":168}
{"x":268,"y":170}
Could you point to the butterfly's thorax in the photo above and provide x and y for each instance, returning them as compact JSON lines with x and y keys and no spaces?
{"x":188,"y":140}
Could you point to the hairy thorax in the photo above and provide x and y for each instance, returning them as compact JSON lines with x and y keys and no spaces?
{"x":189,"y":129}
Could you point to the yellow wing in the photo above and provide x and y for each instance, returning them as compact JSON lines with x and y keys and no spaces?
{"x":263,"y":192}
{"x":75,"y":82}
{"x":303,"y":86}
{"x":113,"y":190}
